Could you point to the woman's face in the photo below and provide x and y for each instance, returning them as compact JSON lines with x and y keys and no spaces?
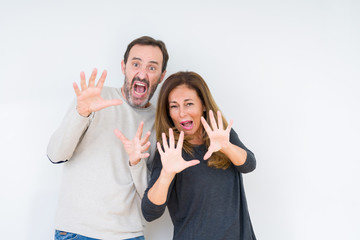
{"x":186,"y":109}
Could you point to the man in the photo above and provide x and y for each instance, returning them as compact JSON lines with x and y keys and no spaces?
{"x":102,"y":185}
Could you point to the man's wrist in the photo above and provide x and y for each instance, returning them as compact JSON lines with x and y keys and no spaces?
{"x":83,"y":114}
{"x":133,"y":163}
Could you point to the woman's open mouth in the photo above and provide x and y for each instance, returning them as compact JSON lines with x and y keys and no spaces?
{"x":187,"y":125}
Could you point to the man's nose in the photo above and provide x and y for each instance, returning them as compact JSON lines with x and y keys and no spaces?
{"x":142,"y":74}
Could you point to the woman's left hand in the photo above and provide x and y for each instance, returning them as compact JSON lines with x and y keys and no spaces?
{"x":219,"y":137}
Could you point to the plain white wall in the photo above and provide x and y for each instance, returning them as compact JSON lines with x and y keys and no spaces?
{"x":287,"y":72}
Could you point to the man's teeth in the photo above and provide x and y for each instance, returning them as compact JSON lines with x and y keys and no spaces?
{"x":140,"y":88}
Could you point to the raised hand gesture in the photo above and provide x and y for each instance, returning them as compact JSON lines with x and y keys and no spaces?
{"x":137,"y":147}
{"x":89,"y":97}
{"x":171,"y":159}
{"x":219,"y":137}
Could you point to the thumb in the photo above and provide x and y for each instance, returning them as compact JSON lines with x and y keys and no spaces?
{"x":191,"y":163}
{"x":208,"y":154}
{"x":119,"y":134}
{"x":116,"y":102}
{"x":109,"y":103}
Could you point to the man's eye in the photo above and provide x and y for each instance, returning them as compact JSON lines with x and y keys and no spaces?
{"x":136,"y":65}
{"x":152,"y":68}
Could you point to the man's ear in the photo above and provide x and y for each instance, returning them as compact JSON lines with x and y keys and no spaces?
{"x":162,"y":76}
{"x":123,"y":66}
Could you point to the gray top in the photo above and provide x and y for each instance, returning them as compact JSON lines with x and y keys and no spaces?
{"x":100,"y":193}
{"x":205,"y":202}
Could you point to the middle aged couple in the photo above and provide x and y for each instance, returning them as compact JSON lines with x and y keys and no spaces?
{"x":196,"y":160}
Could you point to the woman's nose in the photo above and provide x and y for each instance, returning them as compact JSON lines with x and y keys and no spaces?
{"x":182,"y":112}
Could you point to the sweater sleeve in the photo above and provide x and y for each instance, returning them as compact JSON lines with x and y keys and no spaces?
{"x":139,"y":175}
{"x":150,"y":210}
{"x":64,"y":140}
{"x":250,"y":162}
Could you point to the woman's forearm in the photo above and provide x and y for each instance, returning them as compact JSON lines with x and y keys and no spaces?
{"x":236,"y":154}
{"x":157,"y":194}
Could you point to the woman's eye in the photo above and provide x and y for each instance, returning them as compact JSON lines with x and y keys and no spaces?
{"x":189,"y":104}
{"x":173,"y":106}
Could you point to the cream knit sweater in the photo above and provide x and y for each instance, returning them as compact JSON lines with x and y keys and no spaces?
{"x":100,"y":194}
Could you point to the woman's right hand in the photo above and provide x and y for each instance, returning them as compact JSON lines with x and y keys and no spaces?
{"x":172,"y":163}
{"x":89,"y":97}
{"x":171,"y":159}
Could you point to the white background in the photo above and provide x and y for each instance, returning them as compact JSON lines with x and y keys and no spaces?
{"x":286,"y":71}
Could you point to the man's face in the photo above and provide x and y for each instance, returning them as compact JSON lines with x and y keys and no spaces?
{"x":142,"y":74}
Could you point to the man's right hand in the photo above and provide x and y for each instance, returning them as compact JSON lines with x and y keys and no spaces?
{"x":89,"y":97}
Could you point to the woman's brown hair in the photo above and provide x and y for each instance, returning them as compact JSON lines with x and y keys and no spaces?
{"x":163,"y":120}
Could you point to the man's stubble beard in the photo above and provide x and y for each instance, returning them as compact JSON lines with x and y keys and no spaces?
{"x":127,"y":93}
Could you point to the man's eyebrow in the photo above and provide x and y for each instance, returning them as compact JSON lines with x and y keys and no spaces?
{"x":154,"y":62}
{"x":136,"y":58}
{"x":139,"y":59}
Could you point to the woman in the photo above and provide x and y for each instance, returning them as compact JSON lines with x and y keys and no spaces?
{"x":205,"y":197}
{"x":197,"y":171}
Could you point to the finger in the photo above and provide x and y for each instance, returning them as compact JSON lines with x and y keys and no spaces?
{"x":212,"y":120}
{"x":206,"y":125}
{"x":208,"y":154}
{"x":164,"y":142}
{"x":76,"y":89}
{"x":101,"y":81}
{"x":180,"y":141}
{"x":220,"y":121}
{"x":92,"y":78}
{"x":145,"y":147}
{"x":109,"y":103}
{"x":145,"y":138}
{"x":228,"y":129}
{"x":171,"y":138}
{"x":191,"y":163}
{"x":139,"y":130}
{"x":83,"y":81}
{"x":104,"y":104}
{"x":144,"y":155}
{"x":115,"y":102}
{"x":121,"y":136}
{"x":159,"y":148}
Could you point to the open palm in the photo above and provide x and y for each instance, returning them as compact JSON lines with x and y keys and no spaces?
{"x":219,"y":137}
{"x":171,"y":159}
{"x":135,"y":148}
{"x":89,"y":97}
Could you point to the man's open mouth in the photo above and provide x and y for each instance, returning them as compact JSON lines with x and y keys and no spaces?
{"x":140,"y":89}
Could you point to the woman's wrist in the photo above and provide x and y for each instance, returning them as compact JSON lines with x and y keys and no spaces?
{"x":166,"y":177}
